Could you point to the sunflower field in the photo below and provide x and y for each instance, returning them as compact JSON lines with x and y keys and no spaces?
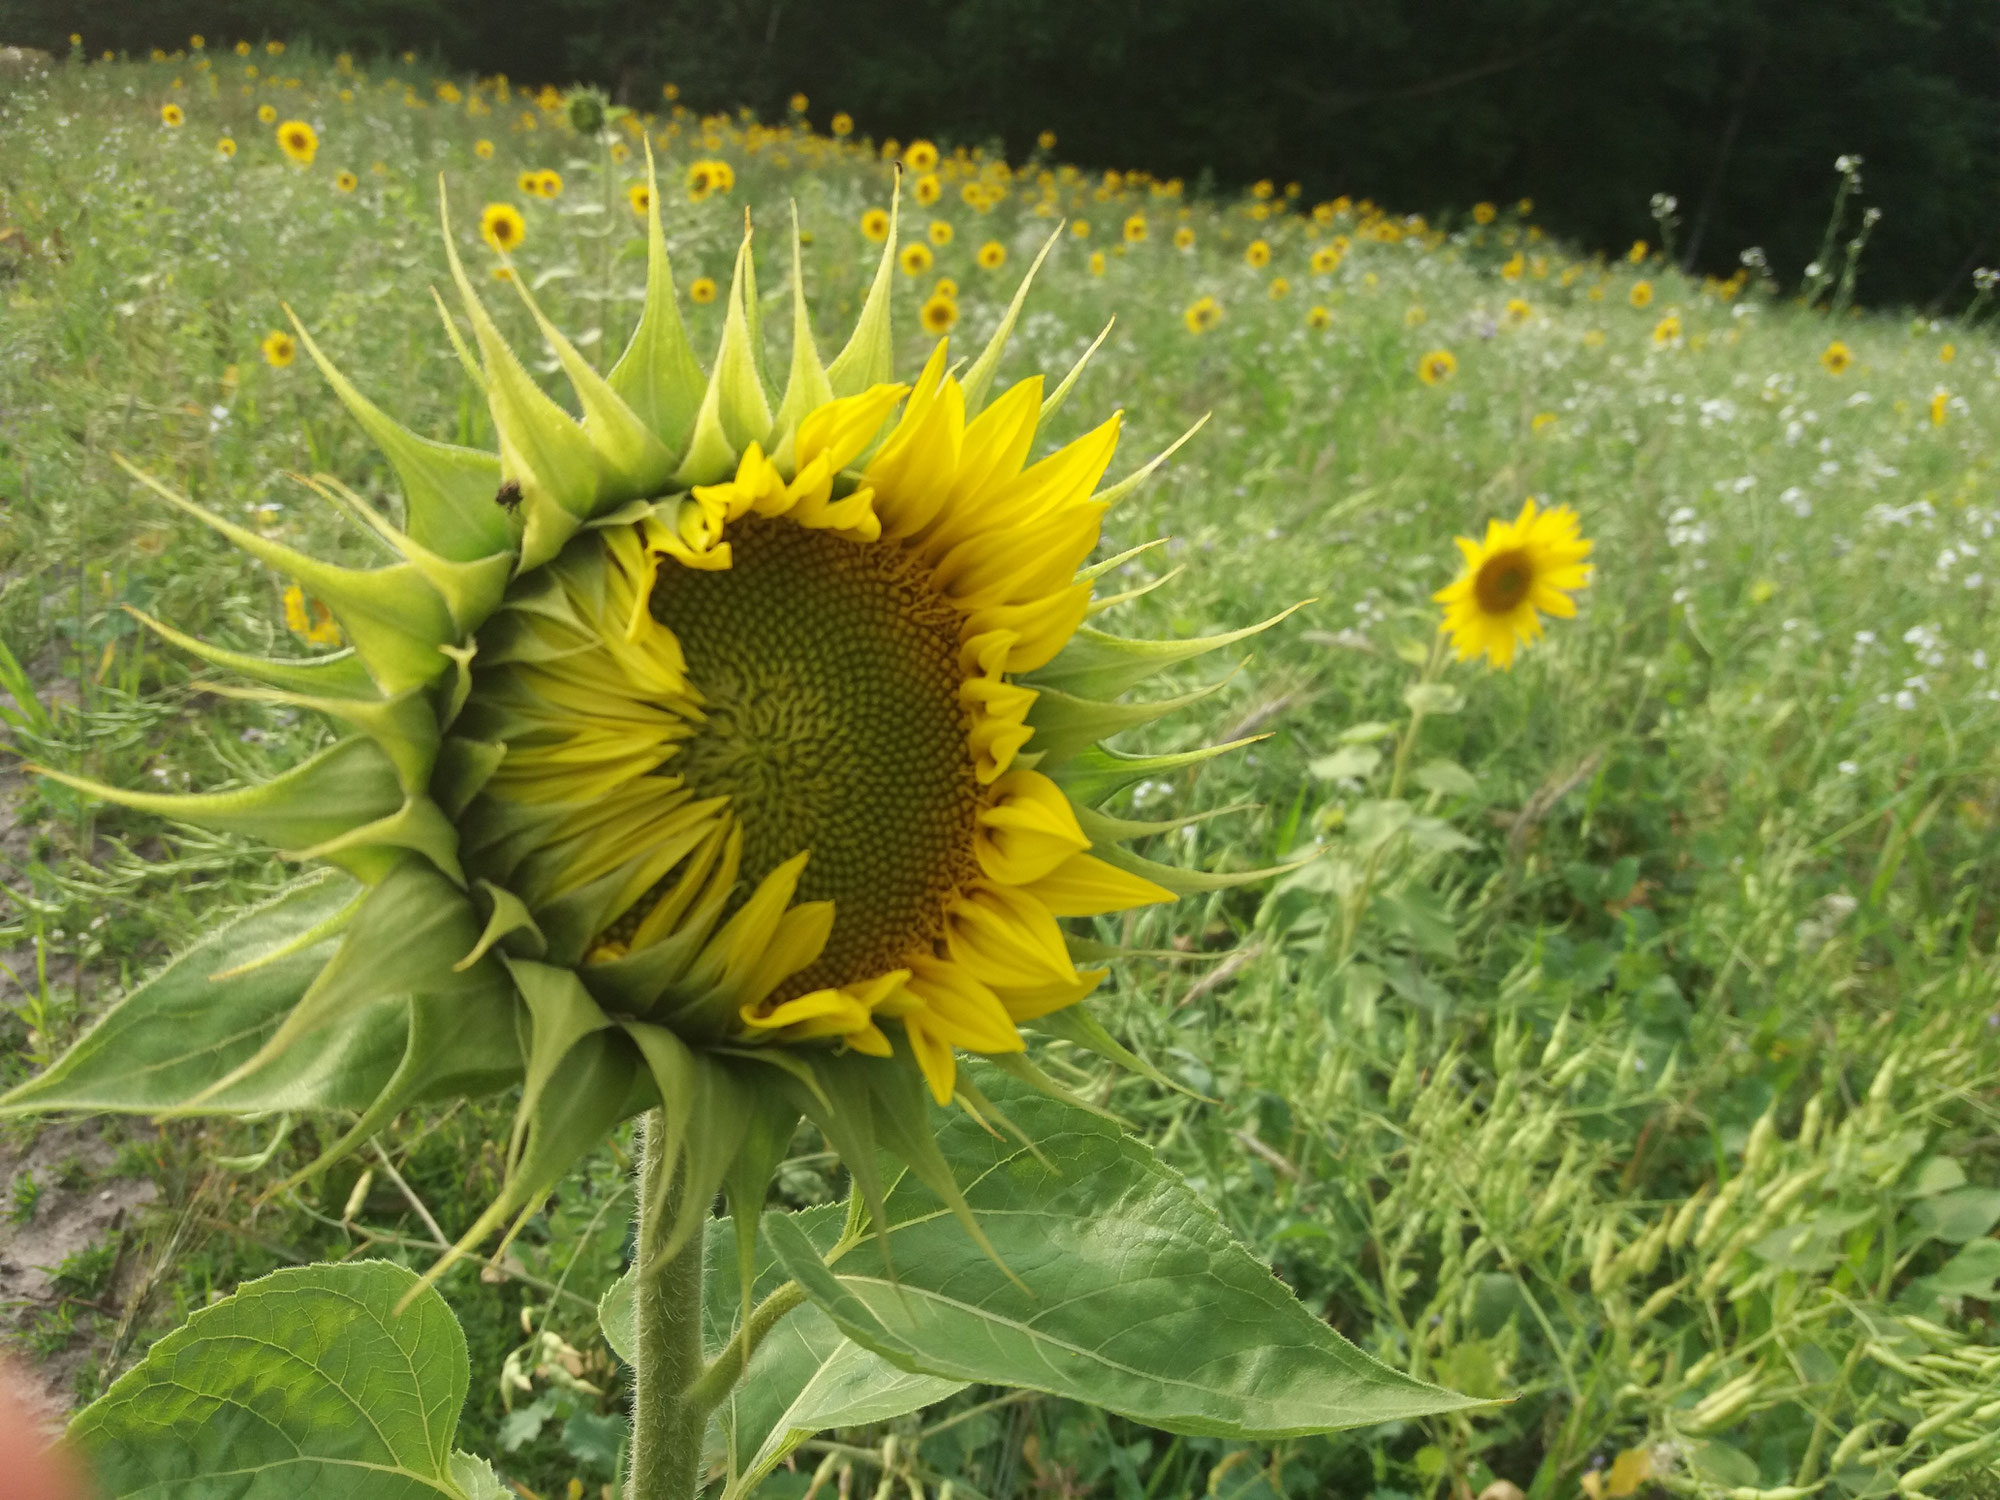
{"x":1539,"y":900}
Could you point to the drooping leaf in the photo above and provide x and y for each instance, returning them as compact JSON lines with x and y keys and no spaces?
{"x":1126,"y":1291}
{"x":306,"y":1382}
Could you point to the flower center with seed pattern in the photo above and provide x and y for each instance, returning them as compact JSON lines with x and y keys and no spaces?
{"x":1503,"y":582}
{"x":828,"y":672}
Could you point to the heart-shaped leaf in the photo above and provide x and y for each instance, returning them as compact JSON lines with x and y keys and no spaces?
{"x":307,"y":1382}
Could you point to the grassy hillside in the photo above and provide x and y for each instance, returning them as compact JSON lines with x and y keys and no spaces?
{"x":1622,"y":1033}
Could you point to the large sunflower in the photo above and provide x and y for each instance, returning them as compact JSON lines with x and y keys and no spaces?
{"x":713,"y":752}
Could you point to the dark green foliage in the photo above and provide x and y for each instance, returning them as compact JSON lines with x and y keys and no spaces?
{"x":1737,"y":107}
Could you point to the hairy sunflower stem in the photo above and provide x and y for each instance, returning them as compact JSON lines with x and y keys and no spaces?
{"x":667,"y":1421}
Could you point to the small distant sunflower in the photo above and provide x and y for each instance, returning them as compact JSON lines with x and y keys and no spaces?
{"x":1484,"y":213}
{"x":1184,"y":238}
{"x":1319,"y":318}
{"x":928,"y":189}
{"x":700,"y":181}
{"x":550,"y":183}
{"x":940,"y":232}
{"x":1947,"y":353}
{"x":640,"y":197}
{"x":1436,"y":367}
{"x":945,"y":287}
{"x":267,"y":113}
{"x":530,"y":183}
{"x":914,"y":258}
{"x":875,"y":224}
{"x":1097,"y":262}
{"x":226,"y":147}
{"x":1837,"y":357}
{"x":346,"y":182}
{"x":1080,"y":228}
{"x":702,"y":290}
{"x":483,"y":150}
{"x":1641,"y":294}
{"x":171,"y":116}
{"x":992,"y":256}
{"x":1516,"y":264}
{"x":921,"y":157}
{"x":1517,"y":311}
{"x":1325,"y":260}
{"x":299,"y":141}
{"x":1414,"y":316}
{"x":502,"y":227}
{"x":1202,"y":315}
{"x":1135,"y":230}
{"x":1522,"y":570}
{"x":1940,"y":405}
{"x":1046,"y":141}
{"x":842,"y":125}
{"x":1639,"y":251}
{"x":1258,"y":255}
{"x":938,"y":315}
{"x":309,"y":619}
{"x":1667,"y":331}
{"x":1280,"y":288}
{"x":280,"y":349}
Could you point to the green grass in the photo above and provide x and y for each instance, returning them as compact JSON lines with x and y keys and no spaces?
{"x":1634,"y":1057}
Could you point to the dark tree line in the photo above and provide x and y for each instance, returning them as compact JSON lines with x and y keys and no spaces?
{"x":1738,"y":108}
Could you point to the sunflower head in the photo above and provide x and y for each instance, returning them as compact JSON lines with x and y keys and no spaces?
{"x":727,"y":749}
{"x":299,"y":141}
{"x":1520,"y":571}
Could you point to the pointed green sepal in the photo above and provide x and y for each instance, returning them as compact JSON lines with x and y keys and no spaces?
{"x":638,"y":461}
{"x":339,"y":674}
{"x":707,"y":1111}
{"x":208,"y":1009}
{"x":980,"y":377}
{"x":447,"y":490}
{"x":561,"y":1014}
{"x":405,"y":726}
{"x":402,"y":940}
{"x":471,"y":590}
{"x":1103,"y":666}
{"x":395,"y":619}
{"x":542,"y":448}
{"x":1055,"y":399}
{"x":1103,"y":844}
{"x":1132,"y":481}
{"x":658,"y":375}
{"x":1096,"y":774}
{"x":463,"y":767}
{"x":419,"y":826}
{"x":346,"y":786}
{"x":1077,"y":1026}
{"x":808,"y":388}
{"x":1065,"y":725}
{"x":510,"y":918}
{"x":741,"y":404}
{"x":869,"y":358}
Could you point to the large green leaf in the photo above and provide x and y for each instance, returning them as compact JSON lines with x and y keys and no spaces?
{"x":307,"y":1382}
{"x":1120,"y":1288}
{"x":185,"y":1027}
{"x":806,"y":1377}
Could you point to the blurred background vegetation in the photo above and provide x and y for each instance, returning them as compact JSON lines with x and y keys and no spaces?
{"x":1736,"y":107}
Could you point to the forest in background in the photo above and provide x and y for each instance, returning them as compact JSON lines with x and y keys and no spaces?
{"x":1737,"y":108}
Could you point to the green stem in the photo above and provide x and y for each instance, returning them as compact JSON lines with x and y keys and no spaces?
{"x":667,"y":1421}
{"x":1356,"y":905}
{"x":720,"y":1377}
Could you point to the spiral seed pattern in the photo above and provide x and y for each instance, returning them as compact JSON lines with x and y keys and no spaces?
{"x":829,"y":674}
